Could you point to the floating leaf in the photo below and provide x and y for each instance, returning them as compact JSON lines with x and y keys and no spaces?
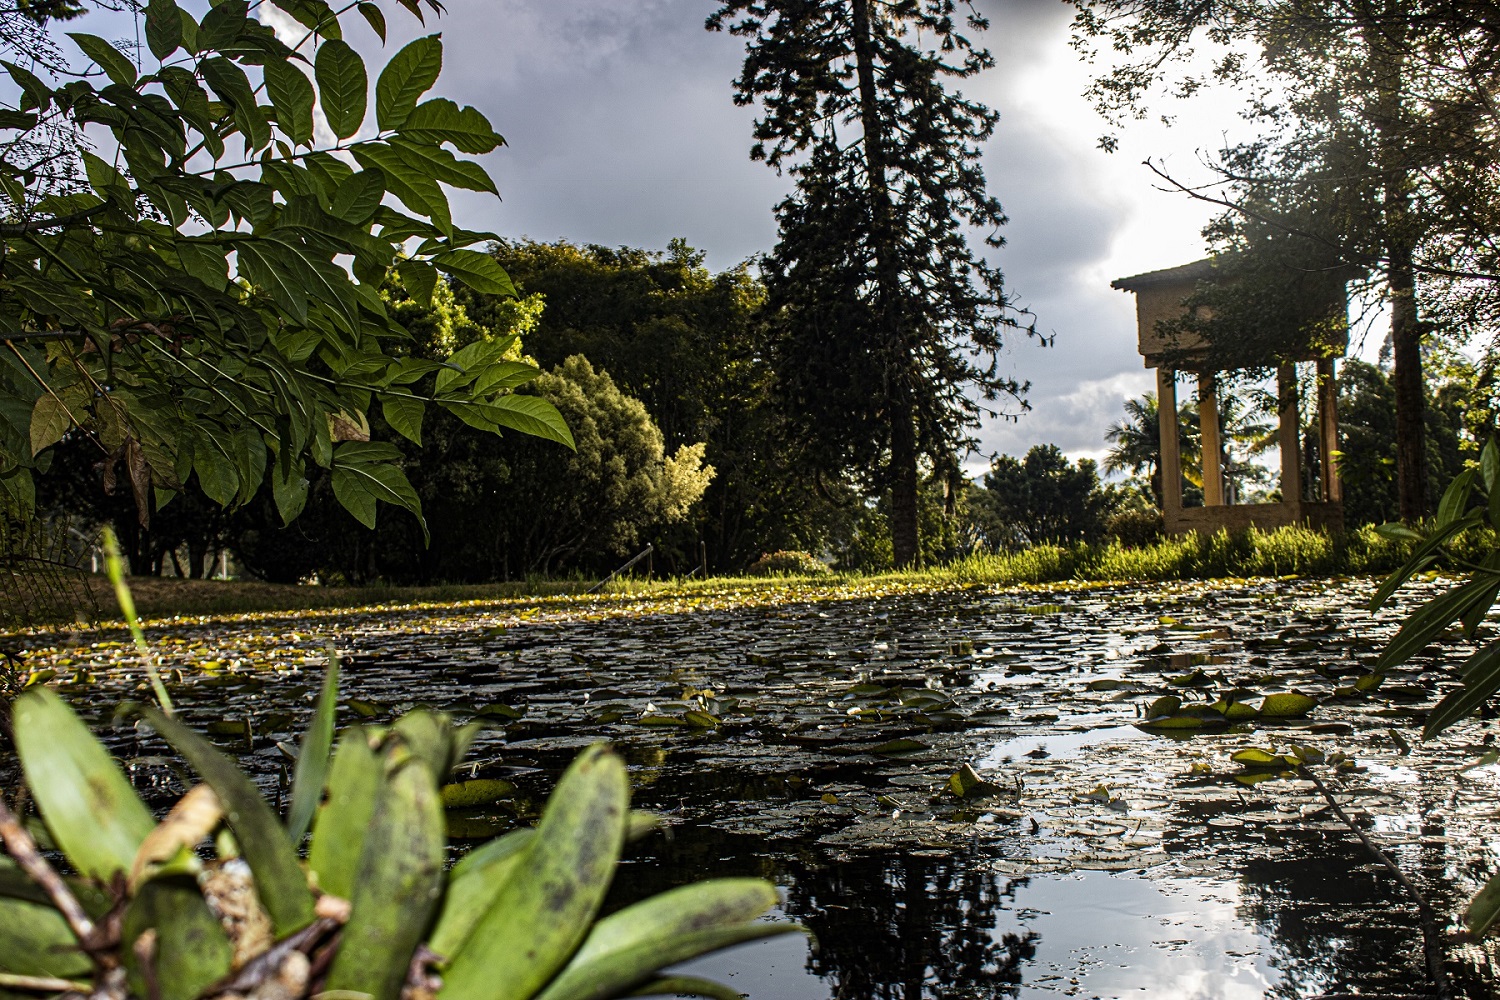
{"x":967,"y":784}
{"x":1287,"y":706}
{"x":476,"y":792}
{"x":900,"y":746}
{"x":1254,"y":757}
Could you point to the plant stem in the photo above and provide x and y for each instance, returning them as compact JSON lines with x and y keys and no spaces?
{"x":116,"y":567}
{"x":1432,"y":936}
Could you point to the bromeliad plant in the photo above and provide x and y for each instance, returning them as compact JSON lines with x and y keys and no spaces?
{"x":370,"y":913}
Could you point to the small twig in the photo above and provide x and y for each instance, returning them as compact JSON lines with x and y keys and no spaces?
{"x":1432,"y":937}
{"x":42,"y":984}
{"x":20,"y":845}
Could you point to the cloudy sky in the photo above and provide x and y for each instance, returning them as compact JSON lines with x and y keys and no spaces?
{"x":622,"y":130}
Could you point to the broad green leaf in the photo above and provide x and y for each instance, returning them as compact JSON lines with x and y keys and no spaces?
{"x":536,"y":922}
{"x":687,"y":986}
{"x":192,"y":951}
{"x":1286,"y":706}
{"x":116,"y":65}
{"x":713,"y":903}
{"x":530,"y":415}
{"x":417,"y":190}
{"x":404,"y":414}
{"x":603,"y":977}
{"x":375,"y":17}
{"x":163,"y":27}
{"x":400,"y":880}
{"x":1481,"y":677}
{"x":93,"y":814}
{"x":216,"y":473}
{"x":1423,"y":555}
{"x":1484,"y":908}
{"x":473,"y":886}
{"x":504,"y":375}
{"x":628,"y":948}
{"x":36,"y":941}
{"x":36,"y":91}
{"x":49,"y":422}
{"x":312,"y":758}
{"x":353,"y":493}
{"x":1455,"y":498}
{"x":222,"y":25}
{"x":314,"y":15}
{"x":1489,"y":466}
{"x":354,"y":783}
{"x":429,"y":737}
{"x":289,"y":492}
{"x":357,"y":198}
{"x":343,"y":87}
{"x":440,"y":120}
{"x":410,"y":74}
{"x":1432,"y":619}
{"x":273,"y":863}
{"x":441,"y":165}
{"x":479,"y":271}
{"x":291,"y":93}
{"x":420,"y":280}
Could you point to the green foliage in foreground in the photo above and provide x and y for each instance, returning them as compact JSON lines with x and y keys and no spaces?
{"x":146,"y":917}
{"x":1464,"y":533}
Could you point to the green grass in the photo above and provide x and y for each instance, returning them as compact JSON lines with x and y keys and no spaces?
{"x":1253,"y":553}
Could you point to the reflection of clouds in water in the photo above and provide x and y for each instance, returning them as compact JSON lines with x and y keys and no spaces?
{"x":1169,"y":939}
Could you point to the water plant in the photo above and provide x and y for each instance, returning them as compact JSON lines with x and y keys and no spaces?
{"x":369,"y":912}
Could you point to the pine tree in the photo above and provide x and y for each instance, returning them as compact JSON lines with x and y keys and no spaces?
{"x":887,"y":322}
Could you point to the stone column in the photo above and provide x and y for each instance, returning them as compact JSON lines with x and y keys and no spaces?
{"x":1289,"y":435}
{"x":1328,"y":429}
{"x":1208,"y":430}
{"x":1171,"y":457}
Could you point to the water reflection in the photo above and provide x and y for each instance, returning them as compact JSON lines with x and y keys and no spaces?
{"x":1315,"y":919}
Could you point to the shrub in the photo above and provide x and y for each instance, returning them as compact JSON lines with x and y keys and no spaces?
{"x":1135,"y":528}
{"x":788,"y":563}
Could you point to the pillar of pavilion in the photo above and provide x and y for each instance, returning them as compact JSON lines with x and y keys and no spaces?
{"x":1160,"y":297}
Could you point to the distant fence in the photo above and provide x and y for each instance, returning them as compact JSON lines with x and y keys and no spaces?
{"x":44,"y":573}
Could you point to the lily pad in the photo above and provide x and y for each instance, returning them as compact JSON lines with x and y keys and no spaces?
{"x":1287,"y":706}
{"x":967,"y":784}
{"x":900,"y":746}
{"x":476,"y":792}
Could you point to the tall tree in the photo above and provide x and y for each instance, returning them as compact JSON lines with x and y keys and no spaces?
{"x":1378,"y":137}
{"x":887,"y":321}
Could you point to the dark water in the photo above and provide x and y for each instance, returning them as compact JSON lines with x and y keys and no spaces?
{"x":1117,"y":863}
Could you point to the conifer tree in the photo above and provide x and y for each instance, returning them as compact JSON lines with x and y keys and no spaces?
{"x":887,"y":321}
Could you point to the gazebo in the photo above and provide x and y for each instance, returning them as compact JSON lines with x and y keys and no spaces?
{"x":1160,"y":297}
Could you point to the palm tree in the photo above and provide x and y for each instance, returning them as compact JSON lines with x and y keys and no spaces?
{"x":1137,"y":442}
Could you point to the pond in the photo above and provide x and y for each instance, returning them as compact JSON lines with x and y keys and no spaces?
{"x":813,"y":742}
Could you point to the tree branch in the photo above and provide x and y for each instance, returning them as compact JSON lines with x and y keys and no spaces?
{"x":12,"y":229}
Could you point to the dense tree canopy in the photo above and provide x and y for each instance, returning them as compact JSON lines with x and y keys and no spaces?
{"x":195,"y":290}
{"x":1378,"y":137}
{"x":1042,"y":499}
{"x":886,"y":322}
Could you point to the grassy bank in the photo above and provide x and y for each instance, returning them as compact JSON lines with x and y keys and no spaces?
{"x":1284,"y":552}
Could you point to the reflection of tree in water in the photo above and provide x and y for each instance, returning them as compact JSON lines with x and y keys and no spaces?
{"x":909,"y":927}
{"x":888,"y":926}
{"x":1339,"y":922}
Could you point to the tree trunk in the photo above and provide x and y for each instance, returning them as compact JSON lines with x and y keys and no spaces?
{"x":1406,"y":379}
{"x":1385,"y":39}
{"x":902,"y":473}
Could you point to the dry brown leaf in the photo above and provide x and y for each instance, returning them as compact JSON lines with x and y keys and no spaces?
{"x":193,"y":817}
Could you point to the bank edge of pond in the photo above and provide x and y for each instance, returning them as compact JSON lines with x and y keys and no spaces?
{"x":1252,"y":554}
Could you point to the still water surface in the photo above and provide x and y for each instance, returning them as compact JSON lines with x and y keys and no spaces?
{"x":1112,"y":863}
